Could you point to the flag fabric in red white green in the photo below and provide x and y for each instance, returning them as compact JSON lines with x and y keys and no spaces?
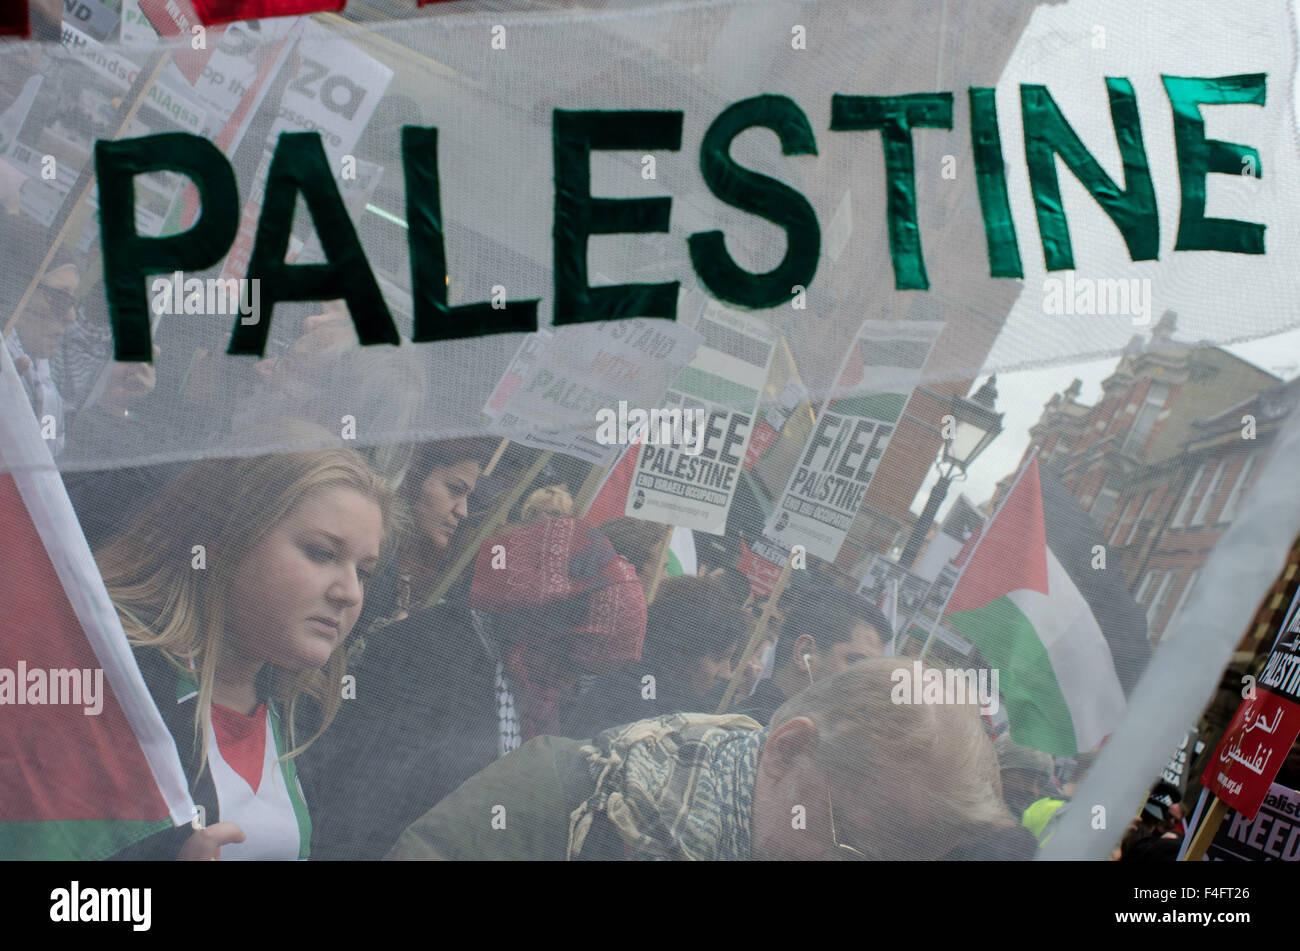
{"x":681,"y":560}
{"x":1032,"y":621}
{"x":87,"y":765}
{"x":611,"y":498}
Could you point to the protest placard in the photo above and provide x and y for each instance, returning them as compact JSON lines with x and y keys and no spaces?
{"x":557,"y":388}
{"x":1262,"y":731}
{"x":822,"y":496}
{"x":761,"y":561}
{"x":1272,"y":836}
{"x":692,"y":485}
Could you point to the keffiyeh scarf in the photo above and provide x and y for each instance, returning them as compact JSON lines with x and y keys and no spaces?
{"x":674,"y":787}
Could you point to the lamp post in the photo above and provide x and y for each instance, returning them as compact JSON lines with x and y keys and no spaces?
{"x":975,"y":425}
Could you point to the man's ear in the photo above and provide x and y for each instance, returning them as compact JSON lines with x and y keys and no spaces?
{"x":803,"y":644}
{"x":788,"y":743}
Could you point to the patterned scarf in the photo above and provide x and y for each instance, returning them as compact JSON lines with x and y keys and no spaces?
{"x":675,"y":787}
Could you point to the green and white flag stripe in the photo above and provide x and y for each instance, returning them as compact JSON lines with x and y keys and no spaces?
{"x":1056,"y":673}
{"x":1032,"y":622}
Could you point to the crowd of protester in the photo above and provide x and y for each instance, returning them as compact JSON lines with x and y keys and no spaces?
{"x":545,"y":707}
{"x":336,"y":690}
{"x":334,"y":670}
{"x":344,"y":698}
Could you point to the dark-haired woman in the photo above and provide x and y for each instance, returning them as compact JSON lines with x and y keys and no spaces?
{"x":435,"y":494}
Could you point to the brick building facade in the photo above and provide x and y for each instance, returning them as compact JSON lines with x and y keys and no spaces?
{"x":1162,"y":461}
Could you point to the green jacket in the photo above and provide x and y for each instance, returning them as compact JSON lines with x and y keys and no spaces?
{"x":516,"y":809}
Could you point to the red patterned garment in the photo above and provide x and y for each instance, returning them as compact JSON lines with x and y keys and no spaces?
{"x":580,"y":610}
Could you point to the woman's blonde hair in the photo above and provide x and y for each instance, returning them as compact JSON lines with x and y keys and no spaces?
{"x":227,"y":506}
{"x":940,"y":752}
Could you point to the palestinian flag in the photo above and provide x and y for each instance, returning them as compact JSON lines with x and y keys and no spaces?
{"x":681,"y":554}
{"x":611,"y":497}
{"x":87,"y":765}
{"x":1058,"y":631}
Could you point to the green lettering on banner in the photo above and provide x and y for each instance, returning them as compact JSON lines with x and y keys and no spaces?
{"x":759,"y":195}
{"x":578,"y":215}
{"x":128,"y":257}
{"x":1198,"y":156}
{"x":991,"y":180}
{"x":1132,"y":209}
{"x":299,"y":165}
{"x":895,"y":117}
{"x":433,"y":318}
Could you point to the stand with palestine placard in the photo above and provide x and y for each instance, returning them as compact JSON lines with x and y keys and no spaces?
{"x":1257,"y":740}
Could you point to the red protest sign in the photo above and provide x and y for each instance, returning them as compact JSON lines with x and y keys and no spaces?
{"x":759,"y":443}
{"x":1260,"y":735}
{"x":13,"y":18}
{"x":761,"y":571}
{"x":176,"y":18}
{"x":227,"y":11}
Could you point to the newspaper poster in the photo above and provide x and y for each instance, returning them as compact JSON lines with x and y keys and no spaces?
{"x":92,"y":17}
{"x":334,"y":92}
{"x":67,"y":114}
{"x":691,"y":484}
{"x":822,"y":496}
{"x":336,"y":100}
{"x":558,"y":385}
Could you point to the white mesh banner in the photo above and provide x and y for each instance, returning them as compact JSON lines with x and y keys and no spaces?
{"x":338,"y":329}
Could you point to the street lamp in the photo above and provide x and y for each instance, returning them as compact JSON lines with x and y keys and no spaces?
{"x":974,"y":426}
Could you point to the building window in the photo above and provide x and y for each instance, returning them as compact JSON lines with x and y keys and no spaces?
{"x":1238,"y":490}
{"x":1157,"y":602}
{"x":1145,"y":420}
{"x":1104,"y":505}
{"x":1119,"y":526}
{"x":1182,"y":598}
{"x":1144,"y":587}
{"x":1137,"y":521}
{"x":1207,"y":499}
{"x":1180,"y":517}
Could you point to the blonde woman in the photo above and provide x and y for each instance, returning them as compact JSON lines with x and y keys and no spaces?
{"x":238,"y":587}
